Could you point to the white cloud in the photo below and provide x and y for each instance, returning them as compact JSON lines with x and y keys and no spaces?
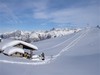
{"x":40,"y":6}
{"x":40,"y":15}
{"x":80,"y":15}
{"x":73,"y":15}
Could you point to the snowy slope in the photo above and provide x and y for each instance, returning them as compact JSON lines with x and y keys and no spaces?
{"x":75,"y":54}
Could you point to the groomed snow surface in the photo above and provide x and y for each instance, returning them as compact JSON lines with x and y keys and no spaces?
{"x":74,"y":54}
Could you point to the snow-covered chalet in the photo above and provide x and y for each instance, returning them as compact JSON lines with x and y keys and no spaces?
{"x":17,"y":48}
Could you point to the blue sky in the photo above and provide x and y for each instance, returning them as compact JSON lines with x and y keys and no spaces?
{"x":46,"y":14}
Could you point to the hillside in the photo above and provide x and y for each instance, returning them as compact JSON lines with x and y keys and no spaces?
{"x":74,"y":54}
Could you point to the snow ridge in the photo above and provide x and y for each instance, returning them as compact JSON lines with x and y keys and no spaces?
{"x":33,"y":36}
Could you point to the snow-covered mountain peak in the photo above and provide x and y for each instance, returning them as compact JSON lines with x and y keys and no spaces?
{"x":31,"y":36}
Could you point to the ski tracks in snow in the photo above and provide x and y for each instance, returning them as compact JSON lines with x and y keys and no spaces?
{"x":26,"y":63}
{"x":71,"y":44}
{"x":59,"y":43}
{"x":48,"y":60}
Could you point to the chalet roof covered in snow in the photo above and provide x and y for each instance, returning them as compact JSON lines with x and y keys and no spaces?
{"x":10,"y":43}
{"x":11,"y":50}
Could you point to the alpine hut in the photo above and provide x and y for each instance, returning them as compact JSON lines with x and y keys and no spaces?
{"x":17,"y":48}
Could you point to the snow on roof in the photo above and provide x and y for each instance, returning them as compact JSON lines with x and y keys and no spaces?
{"x":11,"y":50}
{"x":9,"y":43}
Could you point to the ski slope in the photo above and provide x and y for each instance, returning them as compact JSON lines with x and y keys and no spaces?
{"x":75,"y":54}
{"x":73,"y":42}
